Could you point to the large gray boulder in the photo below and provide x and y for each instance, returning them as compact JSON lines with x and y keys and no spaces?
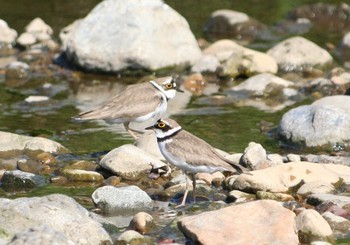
{"x":120,"y":34}
{"x":55,"y":213}
{"x":323,"y":123}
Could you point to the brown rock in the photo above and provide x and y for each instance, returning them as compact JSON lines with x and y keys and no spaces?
{"x":258,"y":222}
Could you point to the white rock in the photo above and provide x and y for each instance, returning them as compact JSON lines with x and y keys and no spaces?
{"x":7,"y":35}
{"x":36,"y":98}
{"x":208,"y":63}
{"x":346,"y":40}
{"x":26,"y":39}
{"x":297,"y":52}
{"x":121,"y":199}
{"x":233,"y":17}
{"x":316,"y":187}
{"x":38,"y":26}
{"x":311,"y":222}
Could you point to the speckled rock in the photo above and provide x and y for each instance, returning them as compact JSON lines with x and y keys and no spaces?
{"x":19,"y":180}
{"x":121,"y":199}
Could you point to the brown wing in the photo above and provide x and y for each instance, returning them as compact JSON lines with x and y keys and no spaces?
{"x":196,"y":151}
{"x":135,"y":101}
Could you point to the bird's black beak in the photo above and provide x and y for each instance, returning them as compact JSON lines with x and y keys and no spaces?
{"x":179,"y":90}
{"x":149,"y":128}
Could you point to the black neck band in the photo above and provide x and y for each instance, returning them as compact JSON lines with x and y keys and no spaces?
{"x":169,"y":136}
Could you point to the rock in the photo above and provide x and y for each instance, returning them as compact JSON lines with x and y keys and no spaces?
{"x":58,"y":213}
{"x":226,"y":23}
{"x":275,"y":158}
{"x":83,"y":165}
{"x":298,"y":53}
{"x":316,"y":187}
{"x":17,"y":70}
{"x":238,"y":60}
{"x":34,"y":167}
{"x":206,"y":64}
{"x":280,"y":197}
{"x":121,"y":199}
{"x":316,"y":125}
{"x":318,"y":198}
{"x":346,"y":40}
{"x":142,"y":222}
{"x":258,"y":84}
{"x":338,"y":224}
{"x":26,"y":39}
{"x":36,"y":99}
{"x":340,"y":101}
{"x":46,"y":158}
{"x":312,"y":227}
{"x":159,"y":37}
{"x":113,"y":181}
{"x":18,"y":180}
{"x":294,"y":158}
{"x":239,"y":196}
{"x":254,"y":157}
{"x":131,"y":237}
{"x":14,"y":142}
{"x":195,"y":83}
{"x":7,"y":34}
{"x":40,"y":235}
{"x":281,"y":178}
{"x":327,"y":159}
{"x":129,"y":162}
{"x":38,"y":26}
{"x":82,"y":175}
{"x":244,"y":224}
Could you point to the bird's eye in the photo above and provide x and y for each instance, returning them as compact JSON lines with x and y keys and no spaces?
{"x":161,"y":125}
{"x":169,"y":85}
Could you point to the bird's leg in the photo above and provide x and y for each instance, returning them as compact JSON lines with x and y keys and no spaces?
{"x":194,"y":187}
{"x":183,"y":203}
{"x":130,"y":131}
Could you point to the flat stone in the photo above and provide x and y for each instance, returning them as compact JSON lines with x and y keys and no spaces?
{"x":316,"y":187}
{"x":316,"y":199}
{"x":257,"y":222}
{"x":82,"y":175}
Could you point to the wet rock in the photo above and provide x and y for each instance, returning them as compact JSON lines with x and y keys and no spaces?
{"x":313,"y":227}
{"x":59,"y":213}
{"x":323,"y":124}
{"x":13,"y":142}
{"x":225,"y":23}
{"x":340,"y":226}
{"x":254,"y":157}
{"x":316,"y":187}
{"x":129,"y":162}
{"x":168,"y":43}
{"x":130,"y":237}
{"x":239,"y":196}
{"x":7,"y":34}
{"x":40,"y":235}
{"x":17,"y":70}
{"x":121,"y":199}
{"x":31,"y":166}
{"x":83,"y":165}
{"x":142,"y":222}
{"x":58,"y":180}
{"x":248,"y":219}
{"x":319,"y":198}
{"x":82,"y":175}
{"x":280,"y":197}
{"x":46,"y":158}
{"x":298,"y":53}
{"x":281,"y":178}
{"x":206,"y":64}
{"x":19,"y":180}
